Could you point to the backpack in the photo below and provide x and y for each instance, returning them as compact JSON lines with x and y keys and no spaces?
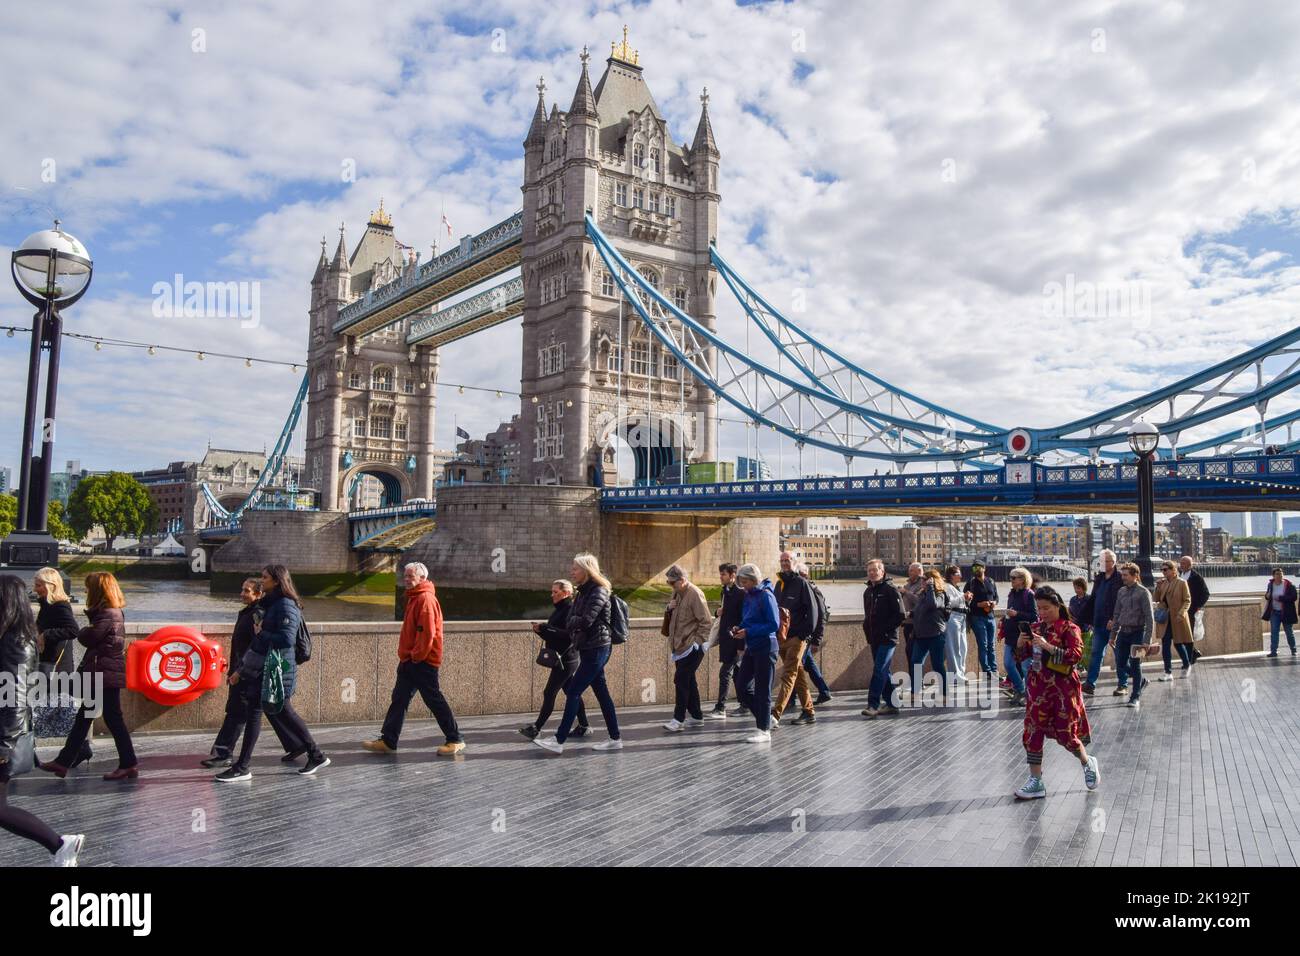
{"x":302,"y":644}
{"x":617,"y":619}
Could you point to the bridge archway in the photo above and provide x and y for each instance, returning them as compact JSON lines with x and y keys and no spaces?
{"x":643,"y":448}
{"x":394,"y":486}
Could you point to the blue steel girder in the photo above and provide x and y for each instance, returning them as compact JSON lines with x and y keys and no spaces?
{"x":1248,"y":483}
{"x":774,"y":400}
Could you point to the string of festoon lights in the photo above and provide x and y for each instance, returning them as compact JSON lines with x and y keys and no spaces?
{"x":102,"y":342}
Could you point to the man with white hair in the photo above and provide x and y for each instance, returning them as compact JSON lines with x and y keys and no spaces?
{"x":915,"y":585}
{"x":1200,"y":592}
{"x":419,"y":655}
{"x":1105,"y":589}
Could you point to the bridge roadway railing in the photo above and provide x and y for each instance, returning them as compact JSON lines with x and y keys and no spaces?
{"x":368,"y":523}
{"x":1255,"y":480}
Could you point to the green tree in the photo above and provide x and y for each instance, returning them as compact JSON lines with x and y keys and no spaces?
{"x":54,"y":519}
{"x":116,"y":502}
{"x":8,"y":515}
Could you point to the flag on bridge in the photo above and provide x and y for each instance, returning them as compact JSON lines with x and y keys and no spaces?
{"x":461,"y":433}
{"x":446,"y":222}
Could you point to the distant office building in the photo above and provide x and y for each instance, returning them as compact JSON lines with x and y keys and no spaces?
{"x":899,"y":547}
{"x":1264,"y":524}
{"x":1188,"y":534}
{"x":752,"y":469}
{"x":1290,"y":526}
{"x":64,"y":483}
{"x":1126,"y":542}
{"x":494,"y":459}
{"x":812,"y":550}
{"x":1218,"y":544}
{"x":1059,"y":536}
{"x":857,"y":547}
{"x":6,"y":480}
{"x":962,"y":534}
{"x":1100,"y":532}
{"x":1236,"y":523}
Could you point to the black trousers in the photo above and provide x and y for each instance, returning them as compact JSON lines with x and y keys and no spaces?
{"x":729,"y":650}
{"x":688,"y":689}
{"x":559,"y":677}
{"x":421,"y":676}
{"x":287,"y":724}
{"x":24,"y":824}
{"x":116,"y":723}
{"x":237,"y":718}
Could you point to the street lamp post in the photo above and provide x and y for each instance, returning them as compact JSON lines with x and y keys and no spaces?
{"x":1143,"y":438}
{"x":52,"y":270}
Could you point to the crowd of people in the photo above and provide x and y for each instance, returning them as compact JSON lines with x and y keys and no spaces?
{"x":766,"y":634}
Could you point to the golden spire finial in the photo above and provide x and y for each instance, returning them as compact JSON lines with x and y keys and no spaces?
{"x":379,"y":217}
{"x":624,"y":52}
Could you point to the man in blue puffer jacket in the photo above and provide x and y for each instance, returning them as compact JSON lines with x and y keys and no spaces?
{"x":759,"y":623}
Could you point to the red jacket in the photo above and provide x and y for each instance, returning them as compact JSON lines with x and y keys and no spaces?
{"x":421,"y":638}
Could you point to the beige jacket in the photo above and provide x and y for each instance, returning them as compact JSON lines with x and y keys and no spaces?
{"x":1175,"y":596}
{"x":690,"y":621}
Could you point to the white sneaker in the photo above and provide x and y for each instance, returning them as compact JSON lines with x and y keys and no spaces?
{"x":1034,"y":789}
{"x":1091,"y":774}
{"x":759,"y":737}
{"x":549,"y":743}
{"x":674,"y":725}
{"x":694,"y":721}
{"x":715,"y":715}
{"x":610,"y":745}
{"x":1135,"y":704}
{"x":66,"y":854}
{"x":1165,"y":677}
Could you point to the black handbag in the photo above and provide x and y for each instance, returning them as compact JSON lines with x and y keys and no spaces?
{"x":22,"y":759}
{"x":548,"y":658}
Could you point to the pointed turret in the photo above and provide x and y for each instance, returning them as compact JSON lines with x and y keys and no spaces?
{"x":537,"y":131}
{"x":704,"y":131}
{"x":322,"y":264}
{"x":584,"y":102}
{"x":340,"y":263}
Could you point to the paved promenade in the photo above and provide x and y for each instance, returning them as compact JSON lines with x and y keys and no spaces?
{"x":1207,"y":773}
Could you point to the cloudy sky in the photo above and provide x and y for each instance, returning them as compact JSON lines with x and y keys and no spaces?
{"x":922,"y":171}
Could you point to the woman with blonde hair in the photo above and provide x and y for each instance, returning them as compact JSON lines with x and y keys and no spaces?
{"x":105,"y":643}
{"x":56,"y":625}
{"x":589,"y":628}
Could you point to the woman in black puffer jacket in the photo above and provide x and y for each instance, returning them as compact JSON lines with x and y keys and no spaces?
{"x":17,"y":662}
{"x":105,"y":643}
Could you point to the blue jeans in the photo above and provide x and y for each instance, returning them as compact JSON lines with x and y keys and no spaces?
{"x":1129,"y":666}
{"x":1100,"y":641}
{"x":881,"y":659}
{"x":1274,"y":622}
{"x":934,"y":647}
{"x":754,"y":684}
{"x":590,"y":673}
{"x":985,"y":642}
{"x":815,"y":674}
{"x":1014,"y":673}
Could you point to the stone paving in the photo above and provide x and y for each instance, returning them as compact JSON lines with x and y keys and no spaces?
{"x":1206,"y":773}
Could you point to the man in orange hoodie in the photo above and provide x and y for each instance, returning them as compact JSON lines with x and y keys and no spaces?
{"x":419,"y":655}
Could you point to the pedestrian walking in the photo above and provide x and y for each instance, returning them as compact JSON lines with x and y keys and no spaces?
{"x":759,"y":626}
{"x":103,"y":663}
{"x":913,"y":587}
{"x":1200,"y":593}
{"x":236,"y":718}
{"x":981,"y":598}
{"x":1131,"y":631}
{"x":955,"y":645}
{"x":729,"y":648}
{"x":562,"y":660}
{"x":1021,"y":610}
{"x":56,"y":637}
{"x":882,"y":614}
{"x":1280,"y":610}
{"x":1081,"y":611}
{"x":686,"y":626}
{"x":419,"y":656}
{"x":794,"y":595}
{"x":18,"y":659}
{"x":815,"y":640}
{"x":590,"y":627}
{"x":1055,"y":707}
{"x":1173,"y":625}
{"x":276,"y":626}
{"x":929,"y":627}
{"x":1105,"y":589}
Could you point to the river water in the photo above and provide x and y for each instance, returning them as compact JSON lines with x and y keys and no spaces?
{"x":183,"y":602}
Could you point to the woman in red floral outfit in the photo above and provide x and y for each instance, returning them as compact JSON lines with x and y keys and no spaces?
{"x":1054,"y":691}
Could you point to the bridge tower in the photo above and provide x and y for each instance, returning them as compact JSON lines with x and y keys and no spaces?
{"x":589,"y":381}
{"x":370,"y":399}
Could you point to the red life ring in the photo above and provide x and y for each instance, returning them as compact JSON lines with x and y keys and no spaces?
{"x":174,"y":665}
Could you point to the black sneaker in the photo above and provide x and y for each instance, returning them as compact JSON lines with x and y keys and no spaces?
{"x":1089,"y":690}
{"x":293,"y":755}
{"x":806,"y":717}
{"x":314,"y":764}
{"x":579,"y":731}
{"x":233,"y":774}
{"x":215,"y":762}
{"x":529,"y":731}
{"x":823,"y":699}
{"x":1119,"y":692}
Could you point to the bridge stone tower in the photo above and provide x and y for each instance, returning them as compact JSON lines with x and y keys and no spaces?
{"x":611,"y":154}
{"x":370,"y":399}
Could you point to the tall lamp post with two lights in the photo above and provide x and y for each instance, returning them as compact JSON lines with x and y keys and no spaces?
{"x":52,"y":270}
{"x":1143,"y":438}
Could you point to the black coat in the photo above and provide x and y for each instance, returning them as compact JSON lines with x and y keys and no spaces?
{"x":1289,"y":596}
{"x":882,"y":613}
{"x":1200,"y":592}
{"x":733,"y":607}
{"x":823,"y":612}
{"x":981,"y":590}
{"x":795,"y":595}
{"x":241,"y":638}
{"x":57,"y":625}
{"x":588,"y":622}
{"x":105,"y":643}
{"x":17,"y":660}
{"x":555,"y":634}
{"x":1107,"y":610}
